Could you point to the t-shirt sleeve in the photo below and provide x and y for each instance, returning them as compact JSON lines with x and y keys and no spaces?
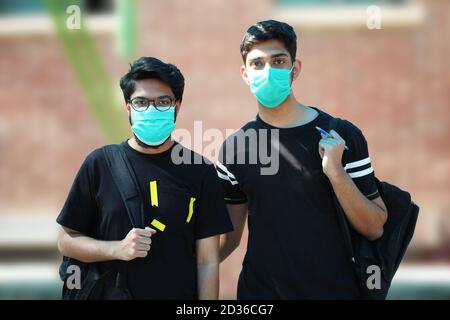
{"x":80,"y":209}
{"x":213,"y":218}
{"x":358,"y":165}
{"x":226,"y":169}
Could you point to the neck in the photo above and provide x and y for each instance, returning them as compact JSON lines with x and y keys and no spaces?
{"x":290,"y":113}
{"x":164,"y":147}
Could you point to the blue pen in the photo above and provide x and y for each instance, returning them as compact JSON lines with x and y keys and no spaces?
{"x":326,"y":134}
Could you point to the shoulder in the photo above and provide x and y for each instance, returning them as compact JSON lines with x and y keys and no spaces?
{"x":350,"y":130}
{"x":248,"y":127}
{"x":94,"y":156}
{"x":252,"y":124}
{"x":95,"y":161}
{"x":91,"y":166}
{"x":97,"y":155}
{"x":346,"y":128}
{"x":236,"y":142}
{"x":244,"y":131}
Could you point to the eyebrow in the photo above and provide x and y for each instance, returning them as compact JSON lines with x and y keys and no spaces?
{"x":275,"y":55}
{"x":159,"y":97}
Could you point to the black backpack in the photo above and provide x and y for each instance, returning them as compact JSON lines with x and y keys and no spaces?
{"x":111,"y":284}
{"x":385,"y":253}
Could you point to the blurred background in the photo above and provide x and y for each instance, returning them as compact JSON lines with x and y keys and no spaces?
{"x":60,"y":99}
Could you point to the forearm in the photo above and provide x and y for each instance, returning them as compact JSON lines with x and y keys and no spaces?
{"x":228,"y":243}
{"x":208,"y":280}
{"x":86,"y":249}
{"x":365,"y":216}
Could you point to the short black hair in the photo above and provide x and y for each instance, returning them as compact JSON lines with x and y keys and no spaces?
{"x":268,"y":30}
{"x":152,"y":68}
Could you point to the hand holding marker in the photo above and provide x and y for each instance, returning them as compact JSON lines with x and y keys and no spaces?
{"x":326,"y":135}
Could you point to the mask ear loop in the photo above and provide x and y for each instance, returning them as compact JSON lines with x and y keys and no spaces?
{"x":292,"y":74}
{"x":175,"y":112}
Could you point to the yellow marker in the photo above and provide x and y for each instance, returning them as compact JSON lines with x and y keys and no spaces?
{"x":191,"y":209}
{"x":158,"y":225}
{"x":153,"y":193}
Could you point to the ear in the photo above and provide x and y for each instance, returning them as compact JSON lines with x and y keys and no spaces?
{"x":244,"y":75}
{"x":297,"y":69}
{"x":127,"y":106}
{"x":177,"y":108}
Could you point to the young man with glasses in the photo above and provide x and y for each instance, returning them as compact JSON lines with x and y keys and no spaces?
{"x":295,"y":246}
{"x":176,"y":255}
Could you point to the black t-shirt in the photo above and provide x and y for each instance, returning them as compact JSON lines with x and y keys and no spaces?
{"x":295,"y":246}
{"x":94,"y":207}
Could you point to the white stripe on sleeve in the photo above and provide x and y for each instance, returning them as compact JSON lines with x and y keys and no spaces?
{"x":361,"y":173}
{"x":225,"y":177}
{"x":357,"y":164}
{"x":221,"y":166}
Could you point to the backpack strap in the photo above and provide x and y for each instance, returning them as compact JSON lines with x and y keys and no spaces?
{"x":333,"y":125}
{"x":126,"y":182}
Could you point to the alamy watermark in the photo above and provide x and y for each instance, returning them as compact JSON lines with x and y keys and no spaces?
{"x":252,"y":146}
{"x":373,"y":20}
{"x":73,"y":21}
{"x":74,"y":279}
{"x":374,"y":280}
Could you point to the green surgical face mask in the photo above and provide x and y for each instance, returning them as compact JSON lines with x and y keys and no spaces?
{"x":271,"y":86}
{"x":153,"y":127}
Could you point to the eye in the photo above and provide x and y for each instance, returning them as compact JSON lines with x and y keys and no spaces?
{"x":279,"y":61}
{"x":164,"y":102}
{"x":257,"y":64}
{"x":139,"y":102}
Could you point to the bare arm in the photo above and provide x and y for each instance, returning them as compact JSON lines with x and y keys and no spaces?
{"x":366,"y":216}
{"x":208,"y":268}
{"x":76,"y":245}
{"x":230,"y":241}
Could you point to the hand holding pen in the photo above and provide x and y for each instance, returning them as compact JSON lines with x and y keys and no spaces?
{"x":327,"y":135}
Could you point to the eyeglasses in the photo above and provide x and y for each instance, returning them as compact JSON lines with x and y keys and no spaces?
{"x":162,"y":104}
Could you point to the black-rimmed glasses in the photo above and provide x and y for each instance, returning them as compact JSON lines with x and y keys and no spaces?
{"x":162,"y":104}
